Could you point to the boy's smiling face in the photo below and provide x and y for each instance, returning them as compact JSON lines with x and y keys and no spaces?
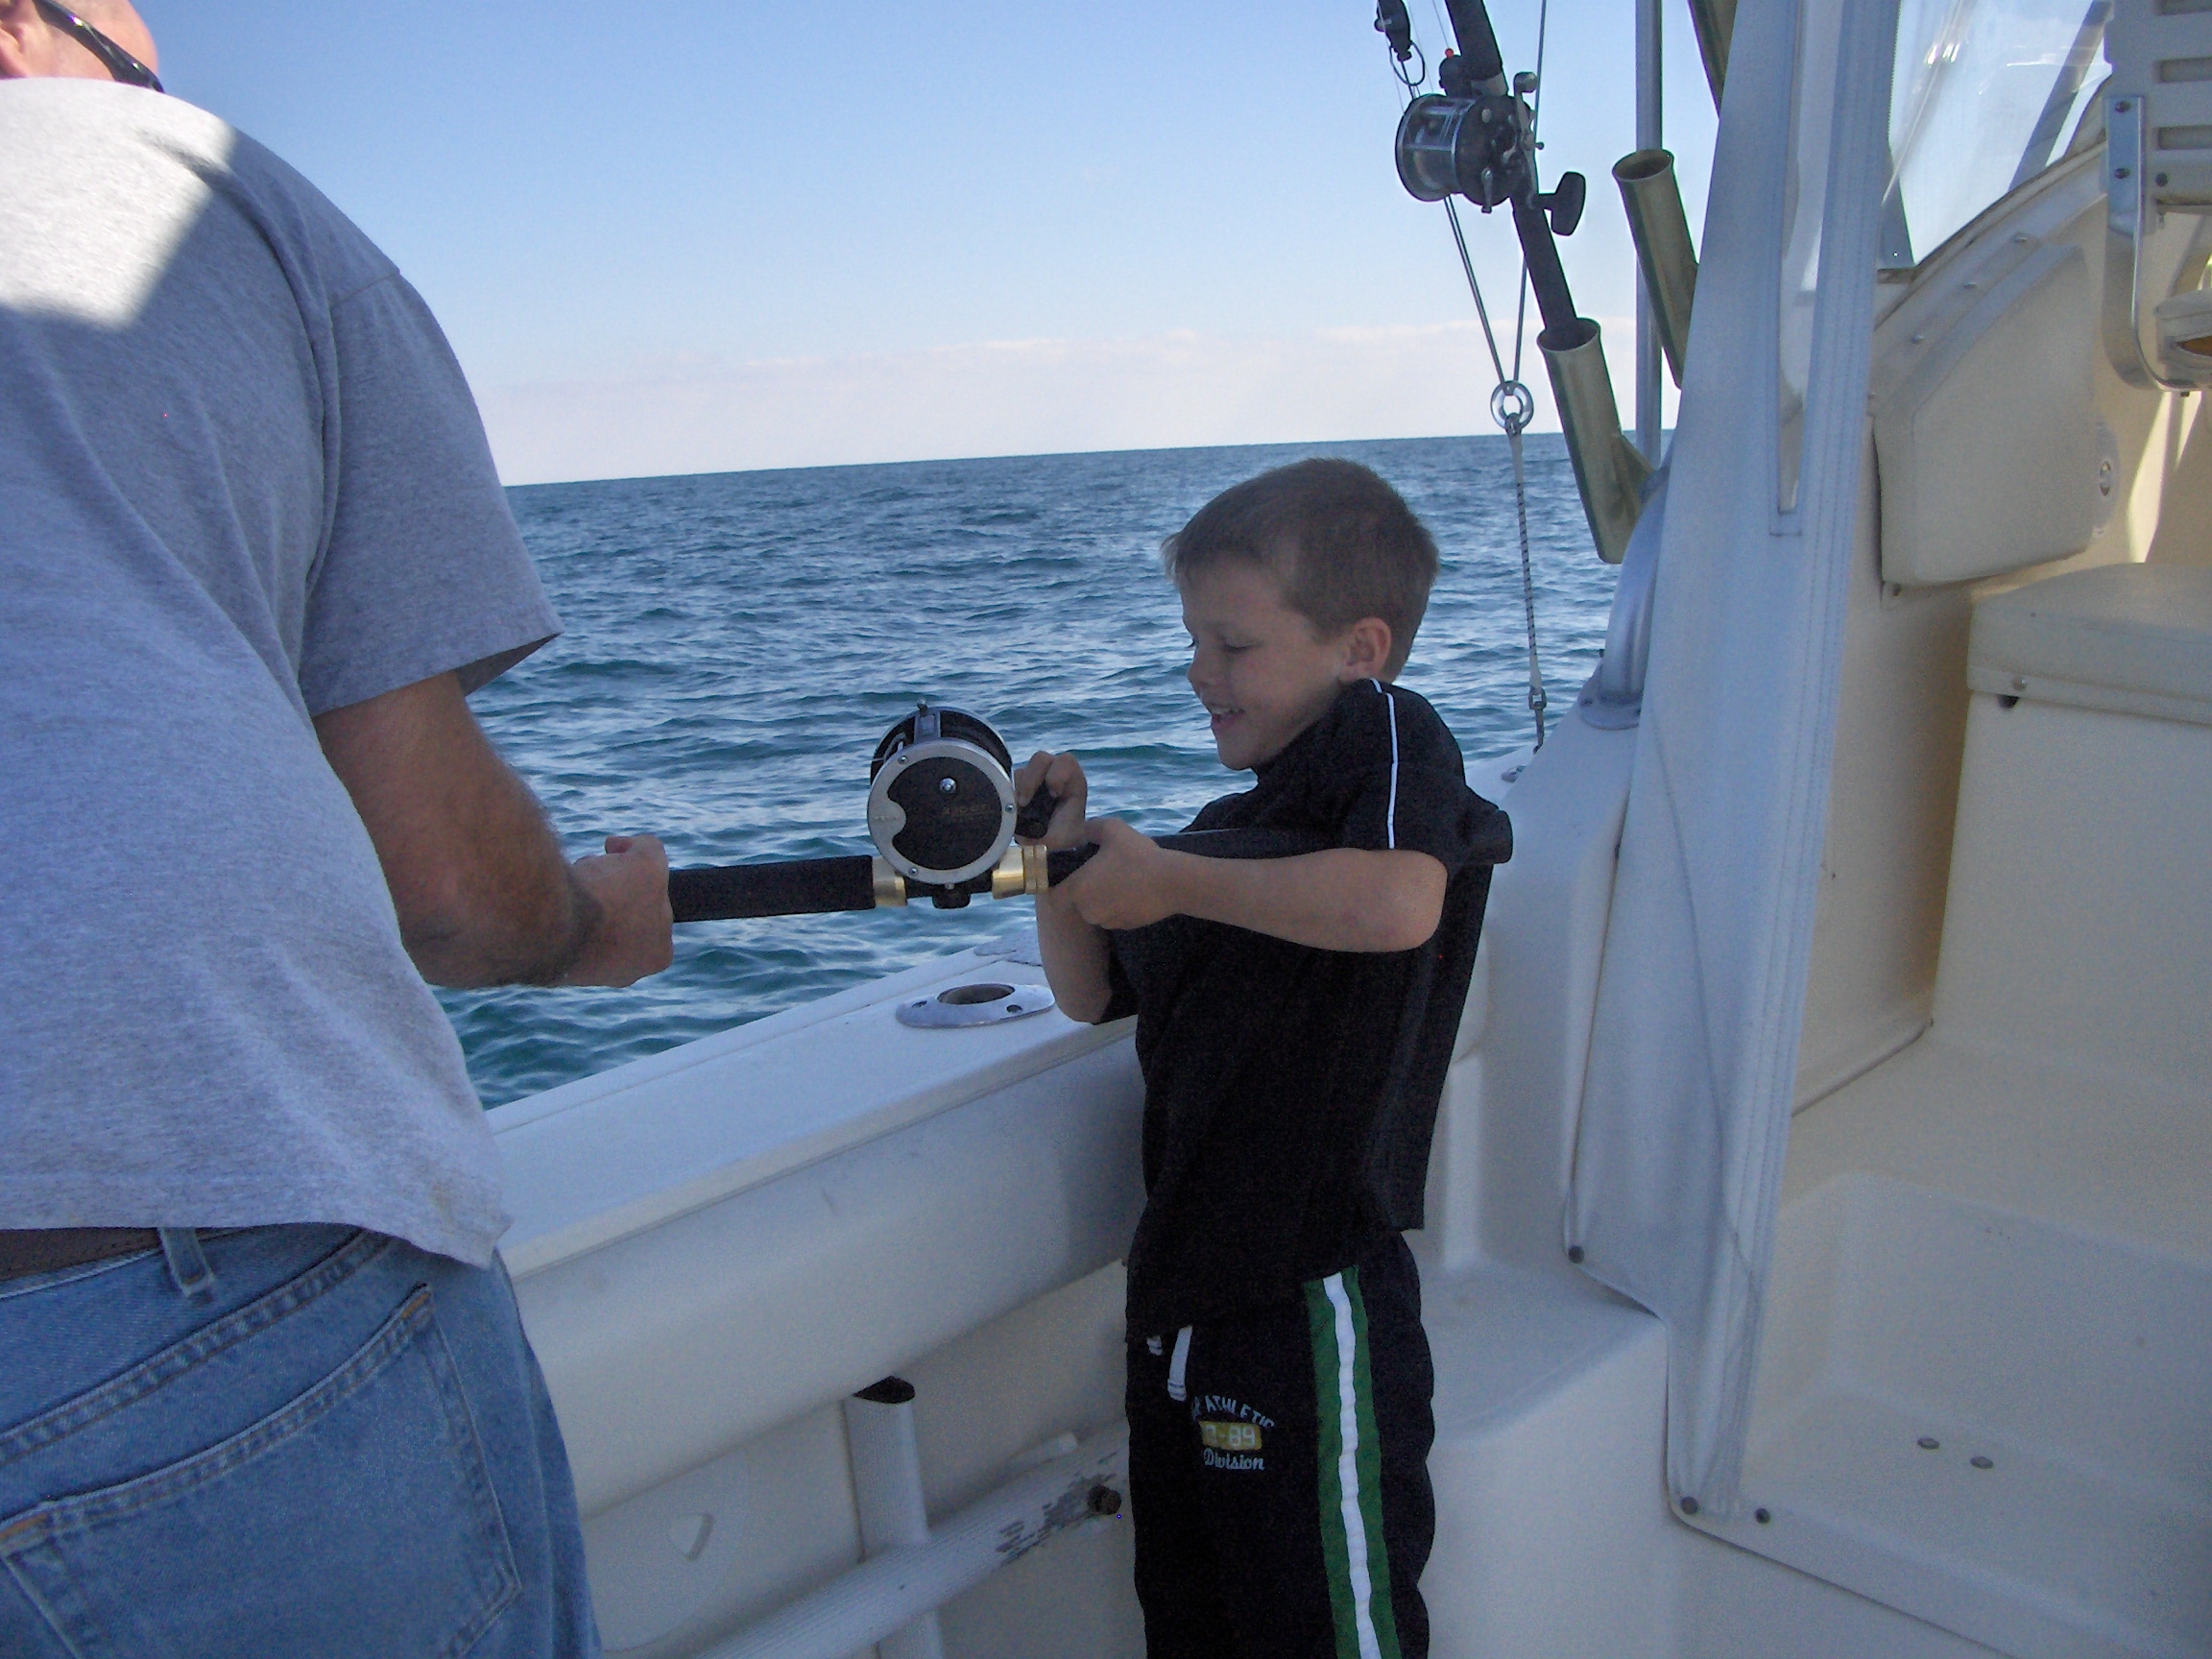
{"x":1262,"y":669}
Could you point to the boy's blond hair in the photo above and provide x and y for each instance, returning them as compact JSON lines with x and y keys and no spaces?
{"x":1341,"y":542}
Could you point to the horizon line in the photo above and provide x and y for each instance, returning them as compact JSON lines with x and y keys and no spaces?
{"x":1032,"y":455}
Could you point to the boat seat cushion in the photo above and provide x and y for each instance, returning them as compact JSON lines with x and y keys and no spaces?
{"x":2128,"y":638}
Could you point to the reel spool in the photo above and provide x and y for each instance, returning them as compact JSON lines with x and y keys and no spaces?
{"x":941,"y":806}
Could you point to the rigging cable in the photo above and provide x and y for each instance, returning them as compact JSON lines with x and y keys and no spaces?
{"x":1535,"y":123}
{"x":1526,"y":407}
{"x":1511,"y":403}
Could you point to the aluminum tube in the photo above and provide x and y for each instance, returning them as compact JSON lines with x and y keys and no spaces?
{"x":1664,"y":254}
{"x":1649,"y":136}
{"x":1647,"y":372}
{"x":1715,"y":21}
{"x":1608,"y":470}
{"x":887,"y":1593}
{"x":887,"y":1462}
{"x":1613,"y":699}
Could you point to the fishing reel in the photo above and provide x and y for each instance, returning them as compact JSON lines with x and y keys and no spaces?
{"x":1478,"y":145}
{"x":1475,"y":137}
{"x":942,"y":813}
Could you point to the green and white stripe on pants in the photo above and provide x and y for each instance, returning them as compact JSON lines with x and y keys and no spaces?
{"x":1350,"y":1465}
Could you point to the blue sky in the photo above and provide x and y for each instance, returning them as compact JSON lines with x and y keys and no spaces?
{"x":694,"y":237}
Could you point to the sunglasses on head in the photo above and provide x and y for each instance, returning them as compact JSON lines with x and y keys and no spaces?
{"x":118,"y":62}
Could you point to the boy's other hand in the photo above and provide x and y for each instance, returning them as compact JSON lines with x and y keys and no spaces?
{"x":1062,"y":776}
{"x":1127,"y":883}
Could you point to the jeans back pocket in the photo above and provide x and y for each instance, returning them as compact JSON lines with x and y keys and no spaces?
{"x":358,"y":1519}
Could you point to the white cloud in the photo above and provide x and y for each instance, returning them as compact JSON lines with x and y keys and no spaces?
{"x":1011,"y":398}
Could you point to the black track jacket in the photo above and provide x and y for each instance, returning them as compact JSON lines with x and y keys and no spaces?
{"x":1291,"y":1093}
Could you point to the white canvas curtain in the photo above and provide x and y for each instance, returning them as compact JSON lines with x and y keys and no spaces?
{"x":1686,"y":1105}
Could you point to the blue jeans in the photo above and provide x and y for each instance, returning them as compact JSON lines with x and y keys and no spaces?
{"x":340,"y":1445}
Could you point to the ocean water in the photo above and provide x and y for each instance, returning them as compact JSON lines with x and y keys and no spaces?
{"x":738,"y":643}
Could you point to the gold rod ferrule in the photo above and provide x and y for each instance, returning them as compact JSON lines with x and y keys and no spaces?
{"x":1008,"y":877}
{"x":890,"y":886}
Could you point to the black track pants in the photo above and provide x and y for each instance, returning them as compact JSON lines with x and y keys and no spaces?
{"x":1278,"y":1474}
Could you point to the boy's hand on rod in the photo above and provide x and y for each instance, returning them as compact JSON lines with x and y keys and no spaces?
{"x":1129,"y":884}
{"x":1062,"y":777}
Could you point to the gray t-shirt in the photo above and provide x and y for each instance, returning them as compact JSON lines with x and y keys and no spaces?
{"x":242,"y":482}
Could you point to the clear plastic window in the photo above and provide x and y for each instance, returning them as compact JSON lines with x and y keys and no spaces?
{"x":1984,"y":95}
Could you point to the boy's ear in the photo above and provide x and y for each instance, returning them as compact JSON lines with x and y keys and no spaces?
{"x":1367,"y":646}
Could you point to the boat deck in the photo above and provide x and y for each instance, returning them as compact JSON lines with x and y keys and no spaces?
{"x":1956,"y":1205}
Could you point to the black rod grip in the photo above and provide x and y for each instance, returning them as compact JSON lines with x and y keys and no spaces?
{"x":1554,"y":301}
{"x":1478,"y":42}
{"x":790,"y":887}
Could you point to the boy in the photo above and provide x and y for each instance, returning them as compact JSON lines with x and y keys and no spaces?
{"x":1294,"y":1020}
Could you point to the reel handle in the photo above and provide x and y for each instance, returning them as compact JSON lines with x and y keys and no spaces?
{"x":1036,"y":818}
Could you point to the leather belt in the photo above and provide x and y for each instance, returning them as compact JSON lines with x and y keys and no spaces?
{"x":50,"y":1249}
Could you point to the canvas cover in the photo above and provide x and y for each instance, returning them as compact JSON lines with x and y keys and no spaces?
{"x":1686,"y":1103}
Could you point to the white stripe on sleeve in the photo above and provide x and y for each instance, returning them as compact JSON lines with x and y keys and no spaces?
{"x":1390,"y":821}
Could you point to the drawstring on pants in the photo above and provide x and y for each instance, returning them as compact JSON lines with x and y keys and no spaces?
{"x":1175,"y":1365}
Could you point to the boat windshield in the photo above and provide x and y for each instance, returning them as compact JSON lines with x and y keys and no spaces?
{"x":1985,"y":94}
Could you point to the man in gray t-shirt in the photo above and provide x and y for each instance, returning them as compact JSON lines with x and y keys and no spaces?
{"x":253,"y":555}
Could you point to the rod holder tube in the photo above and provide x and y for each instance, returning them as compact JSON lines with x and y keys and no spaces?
{"x":885,"y":1594}
{"x":886,"y":1461}
{"x":1653,"y":199}
{"x":1608,"y":470}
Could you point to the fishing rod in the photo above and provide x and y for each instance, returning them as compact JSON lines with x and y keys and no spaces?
{"x":946,"y":828}
{"x":1476,"y":137}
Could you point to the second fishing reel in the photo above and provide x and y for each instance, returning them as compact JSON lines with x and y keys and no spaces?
{"x":942,"y":813}
{"x":1476,"y":137}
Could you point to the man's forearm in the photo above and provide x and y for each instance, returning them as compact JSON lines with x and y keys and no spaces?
{"x":483,"y":892}
{"x":534,"y":940}
{"x":504,"y":908}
